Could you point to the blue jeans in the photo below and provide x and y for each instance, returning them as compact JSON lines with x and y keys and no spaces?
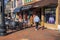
{"x":37,"y":23}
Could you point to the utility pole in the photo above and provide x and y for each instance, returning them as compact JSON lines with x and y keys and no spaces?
{"x":2,"y":17}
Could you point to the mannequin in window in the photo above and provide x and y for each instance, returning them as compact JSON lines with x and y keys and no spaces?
{"x":51,"y":19}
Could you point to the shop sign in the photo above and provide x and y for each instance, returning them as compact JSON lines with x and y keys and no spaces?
{"x":0,"y":13}
{"x":26,"y":1}
{"x":26,"y":7}
{"x":36,"y":5}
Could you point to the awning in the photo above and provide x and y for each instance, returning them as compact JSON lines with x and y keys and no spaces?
{"x":43,"y":3}
{"x":16,"y":10}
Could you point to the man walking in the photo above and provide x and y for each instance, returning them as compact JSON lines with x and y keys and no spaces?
{"x":36,"y":21}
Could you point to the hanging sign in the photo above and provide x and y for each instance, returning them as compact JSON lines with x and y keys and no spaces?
{"x":26,"y":7}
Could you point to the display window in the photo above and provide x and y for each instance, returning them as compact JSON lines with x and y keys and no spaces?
{"x":50,"y":15}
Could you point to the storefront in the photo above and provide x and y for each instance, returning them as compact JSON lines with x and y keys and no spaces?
{"x":47,"y":10}
{"x":50,"y":17}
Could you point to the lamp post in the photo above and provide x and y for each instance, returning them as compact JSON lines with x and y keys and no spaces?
{"x":2,"y":20}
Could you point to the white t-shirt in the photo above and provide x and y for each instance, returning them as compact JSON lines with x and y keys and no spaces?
{"x":36,"y":19}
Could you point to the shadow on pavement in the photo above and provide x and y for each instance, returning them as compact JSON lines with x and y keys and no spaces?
{"x":13,"y":31}
{"x":42,"y":28}
{"x":57,"y":37}
{"x":8,"y":33}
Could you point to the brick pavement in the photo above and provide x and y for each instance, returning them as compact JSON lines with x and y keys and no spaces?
{"x":31,"y":34}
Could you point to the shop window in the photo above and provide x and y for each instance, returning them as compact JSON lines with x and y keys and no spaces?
{"x":50,"y":15}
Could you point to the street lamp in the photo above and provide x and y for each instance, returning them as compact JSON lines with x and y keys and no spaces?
{"x":2,"y":20}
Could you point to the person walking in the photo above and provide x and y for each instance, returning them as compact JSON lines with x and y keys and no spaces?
{"x":20,"y":22}
{"x":31,"y":20}
{"x":36,"y":21}
{"x":17,"y":20}
{"x":25,"y":21}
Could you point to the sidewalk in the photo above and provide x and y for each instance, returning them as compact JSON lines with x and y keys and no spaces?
{"x":31,"y":34}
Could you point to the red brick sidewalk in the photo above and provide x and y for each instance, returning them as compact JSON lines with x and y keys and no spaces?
{"x":31,"y":34}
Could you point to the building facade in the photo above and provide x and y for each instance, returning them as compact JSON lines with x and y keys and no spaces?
{"x":13,"y":5}
{"x":10,"y":6}
{"x":45,"y":9}
{"x":19,"y":3}
{"x":26,"y":2}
